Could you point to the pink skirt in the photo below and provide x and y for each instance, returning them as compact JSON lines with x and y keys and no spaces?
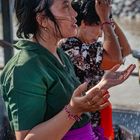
{"x":84,"y":133}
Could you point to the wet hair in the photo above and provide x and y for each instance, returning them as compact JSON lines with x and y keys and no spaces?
{"x":26,"y":11}
{"x":86,"y":12}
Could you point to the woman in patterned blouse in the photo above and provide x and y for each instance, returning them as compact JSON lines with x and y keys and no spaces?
{"x":91,"y":56}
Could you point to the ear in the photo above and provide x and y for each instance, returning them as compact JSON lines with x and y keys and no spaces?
{"x":41,"y":20}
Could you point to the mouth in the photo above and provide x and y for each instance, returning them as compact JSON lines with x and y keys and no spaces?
{"x":74,"y":23}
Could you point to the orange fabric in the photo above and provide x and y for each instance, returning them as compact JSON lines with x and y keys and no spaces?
{"x":106,"y":122}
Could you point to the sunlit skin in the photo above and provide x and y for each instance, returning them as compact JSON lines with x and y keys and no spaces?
{"x":93,"y":100}
{"x":65,"y":15}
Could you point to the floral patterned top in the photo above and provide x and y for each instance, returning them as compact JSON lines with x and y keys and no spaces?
{"x":87,"y":59}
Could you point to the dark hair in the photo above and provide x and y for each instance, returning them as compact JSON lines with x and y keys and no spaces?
{"x":26,"y":11}
{"x":86,"y":11}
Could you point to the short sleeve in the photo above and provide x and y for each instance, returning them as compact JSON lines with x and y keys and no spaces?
{"x":26,"y":99}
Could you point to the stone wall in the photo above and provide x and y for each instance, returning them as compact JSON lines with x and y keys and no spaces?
{"x":126,"y":8}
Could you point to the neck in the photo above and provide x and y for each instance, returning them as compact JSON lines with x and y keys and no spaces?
{"x":81,"y":36}
{"x":46,"y":41}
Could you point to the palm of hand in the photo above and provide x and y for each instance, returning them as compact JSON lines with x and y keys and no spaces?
{"x":113,"y":78}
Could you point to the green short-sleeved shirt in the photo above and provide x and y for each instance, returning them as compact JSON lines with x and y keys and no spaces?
{"x":35,"y":86}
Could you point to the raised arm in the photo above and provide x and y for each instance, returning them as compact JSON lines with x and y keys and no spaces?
{"x":124,"y":44}
{"x":112,"y":52}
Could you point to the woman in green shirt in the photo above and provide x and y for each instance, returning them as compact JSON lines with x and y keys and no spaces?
{"x":43,"y":97}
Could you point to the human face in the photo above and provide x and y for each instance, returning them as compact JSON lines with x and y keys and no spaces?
{"x":66,"y":17}
{"x":91,"y":33}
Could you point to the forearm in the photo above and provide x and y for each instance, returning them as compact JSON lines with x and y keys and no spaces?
{"x":125,"y":46}
{"x":111,"y":43}
{"x":53,"y":129}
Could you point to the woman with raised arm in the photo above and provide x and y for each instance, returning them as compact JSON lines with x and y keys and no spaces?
{"x":91,"y":56}
{"x":43,"y":97}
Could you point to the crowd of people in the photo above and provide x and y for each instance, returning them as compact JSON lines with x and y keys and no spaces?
{"x":56,"y":87}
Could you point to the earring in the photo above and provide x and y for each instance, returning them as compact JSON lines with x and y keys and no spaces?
{"x":45,"y":29}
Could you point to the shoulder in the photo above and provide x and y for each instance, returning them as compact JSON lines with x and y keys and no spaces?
{"x":24,"y":66}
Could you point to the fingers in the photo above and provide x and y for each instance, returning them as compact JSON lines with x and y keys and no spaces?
{"x":80,"y":90}
{"x":100,"y":107}
{"x":103,"y":99}
{"x":97,"y":99}
{"x":92,"y":93}
{"x":90,"y":102}
{"x":104,"y":105}
{"x":120,"y":77}
{"x":93,"y":98}
{"x":131,"y":67}
{"x":128,"y":71}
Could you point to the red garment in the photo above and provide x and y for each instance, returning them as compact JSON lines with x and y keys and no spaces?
{"x":106,"y":122}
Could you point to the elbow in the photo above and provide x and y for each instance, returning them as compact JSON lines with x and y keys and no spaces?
{"x":108,"y":64}
{"x":119,"y":61}
{"x":115,"y":58}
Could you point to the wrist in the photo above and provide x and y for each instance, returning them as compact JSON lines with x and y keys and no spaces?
{"x":105,"y":20}
{"x":73,"y":110}
{"x":102,"y":85}
{"x":71,"y":114}
{"x":110,"y":23}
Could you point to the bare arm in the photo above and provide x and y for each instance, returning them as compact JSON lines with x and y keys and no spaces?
{"x":55,"y":128}
{"x":112,"y":52}
{"x":125,"y":46}
{"x":111,"y":44}
{"x":50,"y":130}
{"x":59,"y":125}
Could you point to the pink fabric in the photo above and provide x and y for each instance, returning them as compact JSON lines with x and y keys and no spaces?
{"x":84,"y":133}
